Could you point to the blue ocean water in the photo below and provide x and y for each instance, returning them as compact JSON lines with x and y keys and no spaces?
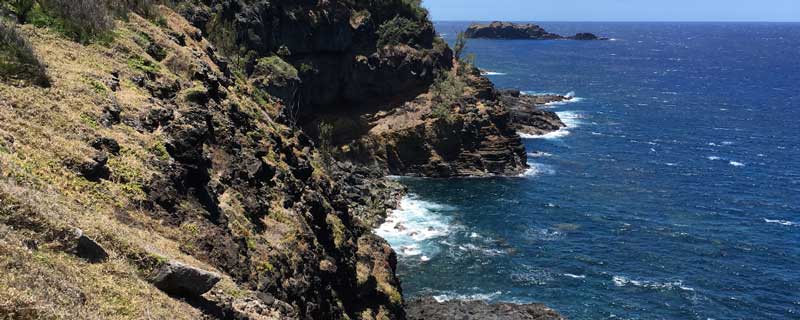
{"x":673,"y":194}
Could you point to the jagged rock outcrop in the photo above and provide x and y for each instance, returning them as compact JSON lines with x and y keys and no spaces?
{"x":527,"y":114}
{"x":509,"y":30}
{"x":472,"y":138}
{"x":430,"y":309}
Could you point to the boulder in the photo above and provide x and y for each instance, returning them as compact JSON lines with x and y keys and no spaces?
{"x":184,"y":280}
{"x":88,"y":249}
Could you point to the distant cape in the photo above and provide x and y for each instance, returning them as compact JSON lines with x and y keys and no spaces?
{"x":508,"y":30}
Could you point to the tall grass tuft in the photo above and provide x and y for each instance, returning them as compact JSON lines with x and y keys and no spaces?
{"x":18,"y":61}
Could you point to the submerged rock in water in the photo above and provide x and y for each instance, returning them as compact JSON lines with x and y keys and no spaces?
{"x":430,"y":309}
{"x":508,"y":30}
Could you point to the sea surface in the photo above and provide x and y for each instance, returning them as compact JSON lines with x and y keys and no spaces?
{"x":673,"y":194}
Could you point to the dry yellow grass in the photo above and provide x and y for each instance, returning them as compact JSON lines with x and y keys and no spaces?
{"x":41,"y":130}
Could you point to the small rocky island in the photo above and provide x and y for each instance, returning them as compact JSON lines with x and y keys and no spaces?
{"x":513,"y":31}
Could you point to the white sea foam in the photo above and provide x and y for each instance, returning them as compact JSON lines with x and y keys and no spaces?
{"x":713,"y":158}
{"x":485,"y":251}
{"x":492,"y":73}
{"x":736,"y":164}
{"x":539,"y":154}
{"x":560,"y":133}
{"x":449,"y":296}
{"x":575,"y":276}
{"x":543,"y":234}
{"x":570,"y":118}
{"x":621,"y":281}
{"x":537,"y":169}
{"x":780,"y":222}
{"x":408,"y":228}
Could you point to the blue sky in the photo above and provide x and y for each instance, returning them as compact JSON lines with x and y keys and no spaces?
{"x":615,"y":10}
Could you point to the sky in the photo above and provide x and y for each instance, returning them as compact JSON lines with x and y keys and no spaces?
{"x":614,"y":10}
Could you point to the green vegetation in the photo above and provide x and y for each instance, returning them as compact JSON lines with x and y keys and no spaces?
{"x":18,"y":61}
{"x":275,"y":67}
{"x":460,"y":45}
{"x":81,"y":20}
{"x":160,"y":151}
{"x":326,"y":142}
{"x":399,"y":31}
{"x":447,"y":91}
{"x":145,"y":65}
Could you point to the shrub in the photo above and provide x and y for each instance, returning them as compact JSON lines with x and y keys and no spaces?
{"x":326,"y":142}
{"x":447,"y":90}
{"x":80,"y":20}
{"x":460,"y":45}
{"x":20,"y":8}
{"x":399,"y":30}
{"x":276,"y":68}
{"x":18,"y":61}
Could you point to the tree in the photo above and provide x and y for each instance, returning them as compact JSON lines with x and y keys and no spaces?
{"x":461,"y":44}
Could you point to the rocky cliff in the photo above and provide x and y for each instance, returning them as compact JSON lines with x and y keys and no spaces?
{"x":185,"y":163}
{"x":508,"y":30}
{"x":194,"y":194}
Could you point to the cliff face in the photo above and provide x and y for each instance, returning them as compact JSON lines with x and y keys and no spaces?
{"x":347,"y":53}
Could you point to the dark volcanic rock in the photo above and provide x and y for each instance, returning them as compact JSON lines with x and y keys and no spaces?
{"x":584,"y":36}
{"x":96,"y":168}
{"x":87,"y":248}
{"x":508,"y":30}
{"x":430,"y":309}
{"x":180,"y":279}
{"x":526,"y":113}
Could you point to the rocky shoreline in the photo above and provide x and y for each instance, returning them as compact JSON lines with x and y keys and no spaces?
{"x":527,"y":113}
{"x":430,"y":309}
{"x":508,"y":30}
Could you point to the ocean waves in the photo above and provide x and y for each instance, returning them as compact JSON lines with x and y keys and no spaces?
{"x":781,"y":222}
{"x":571,"y":119}
{"x":411,"y":228}
{"x":622,"y":281}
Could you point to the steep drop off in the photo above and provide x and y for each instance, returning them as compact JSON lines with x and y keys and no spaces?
{"x":176,"y":168}
{"x":160,"y":155}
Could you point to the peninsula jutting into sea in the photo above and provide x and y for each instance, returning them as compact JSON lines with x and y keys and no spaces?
{"x":283,"y":159}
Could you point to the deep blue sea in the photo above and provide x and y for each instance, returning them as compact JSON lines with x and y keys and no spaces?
{"x":673,"y":194}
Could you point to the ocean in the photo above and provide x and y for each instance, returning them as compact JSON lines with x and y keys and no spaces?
{"x":674,"y":192}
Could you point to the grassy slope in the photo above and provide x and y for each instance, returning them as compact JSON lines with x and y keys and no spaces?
{"x":41,"y":129}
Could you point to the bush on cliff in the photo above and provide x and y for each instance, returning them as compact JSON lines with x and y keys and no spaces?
{"x":18,"y":61}
{"x":447,"y":91}
{"x":399,"y":31}
{"x":80,"y":20}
